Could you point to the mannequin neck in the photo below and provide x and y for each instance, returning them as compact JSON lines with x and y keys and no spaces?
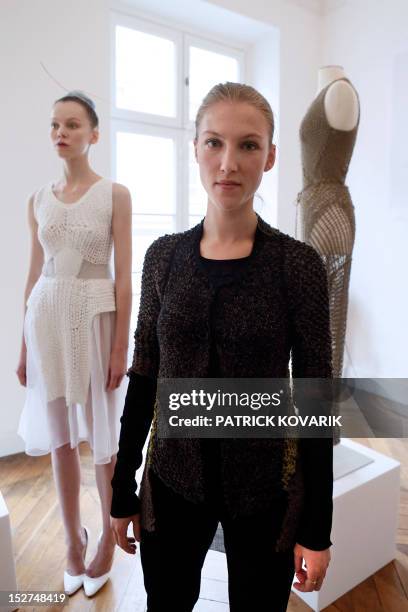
{"x":328,"y":74}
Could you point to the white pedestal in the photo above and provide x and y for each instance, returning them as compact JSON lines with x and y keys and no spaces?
{"x":365,"y":516}
{"x":7,"y":568}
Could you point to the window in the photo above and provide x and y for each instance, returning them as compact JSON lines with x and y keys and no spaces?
{"x":160,"y":76}
{"x":148,"y":98}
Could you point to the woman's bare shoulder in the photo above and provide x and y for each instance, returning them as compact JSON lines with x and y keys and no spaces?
{"x":120,"y":191}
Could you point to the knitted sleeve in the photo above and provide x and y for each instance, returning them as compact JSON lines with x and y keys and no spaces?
{"x":311,"y":358}
{"x":156,"y":267}
{"x":310,"y":314}
{"x":141,"y":393}
{"x":146,"y":351}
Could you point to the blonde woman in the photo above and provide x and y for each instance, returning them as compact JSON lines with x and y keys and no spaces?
{"x":230,"y":298}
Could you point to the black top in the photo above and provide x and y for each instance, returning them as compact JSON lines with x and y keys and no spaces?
{"x":220,"y":272}
{"x":136,"y":423}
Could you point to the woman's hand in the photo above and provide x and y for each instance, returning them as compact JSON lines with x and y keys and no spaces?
{"x":316,"y":561}
{"x":120,"y":527}
{"x":21,"y":370}
{"x":117,"y":368}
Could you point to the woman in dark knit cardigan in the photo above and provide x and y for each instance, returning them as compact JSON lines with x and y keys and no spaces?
{"x":231,"y":297}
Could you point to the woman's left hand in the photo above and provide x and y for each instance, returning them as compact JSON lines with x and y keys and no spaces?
{"x":117,"y":368}
{"x":316,"y":561}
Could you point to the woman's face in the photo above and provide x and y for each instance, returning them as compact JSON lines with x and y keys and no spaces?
{"x":71,"y":131}
{"x":233,"y":151}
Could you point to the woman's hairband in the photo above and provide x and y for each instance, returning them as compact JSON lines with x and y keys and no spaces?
{"x":76,"y":93}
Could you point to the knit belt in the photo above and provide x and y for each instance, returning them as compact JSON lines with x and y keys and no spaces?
{"x":86,"y":269}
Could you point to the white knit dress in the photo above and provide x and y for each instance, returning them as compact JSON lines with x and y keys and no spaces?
{"x":69,"y":328}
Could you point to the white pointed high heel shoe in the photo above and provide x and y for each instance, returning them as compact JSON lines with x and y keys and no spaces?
{"x":73,"y":583}
{"x":93,"y":585}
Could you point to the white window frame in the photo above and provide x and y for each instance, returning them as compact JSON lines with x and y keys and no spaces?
{"x":180,"y":127}
{"x":147,"y":27}
{"x":121,"y":125}
{"x":209,"y":45}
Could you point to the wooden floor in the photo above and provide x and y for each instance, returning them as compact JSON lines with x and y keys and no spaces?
{"x":27,"y":486}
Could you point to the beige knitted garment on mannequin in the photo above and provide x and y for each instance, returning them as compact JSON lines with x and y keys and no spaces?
{"x":325,"y":218}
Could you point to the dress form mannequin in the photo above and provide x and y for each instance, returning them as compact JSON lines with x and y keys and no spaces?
{"x":328,"y":132}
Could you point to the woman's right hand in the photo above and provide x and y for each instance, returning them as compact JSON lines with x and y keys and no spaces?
{"x":21,"y":370}
{"x":120,"y":527}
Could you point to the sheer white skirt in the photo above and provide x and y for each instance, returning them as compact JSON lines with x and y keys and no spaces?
{"x":45,"y":426}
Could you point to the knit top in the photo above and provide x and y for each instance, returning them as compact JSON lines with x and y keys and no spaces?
{"x":75,"y":285}
{"x":279,"y":305}
{"x":326,"y":151}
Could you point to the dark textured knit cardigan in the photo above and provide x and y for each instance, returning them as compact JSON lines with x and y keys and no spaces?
{"x":279,"y":309}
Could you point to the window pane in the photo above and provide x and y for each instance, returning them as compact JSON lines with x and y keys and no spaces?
{"x":145,"y":68}
{"x":146,"y":165}
{"x":145,"y":229}
{"x":197,"y":196}
{"x":208,"y":68}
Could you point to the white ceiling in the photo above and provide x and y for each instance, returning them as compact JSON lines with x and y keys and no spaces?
{"x":206,"y":15}
{"x":183,"y":7}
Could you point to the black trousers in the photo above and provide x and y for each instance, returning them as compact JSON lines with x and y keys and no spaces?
{"x":173,"y":555}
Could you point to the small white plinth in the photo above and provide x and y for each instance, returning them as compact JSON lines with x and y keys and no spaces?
{"x":8,"y":580}
{"x":365,"y":517}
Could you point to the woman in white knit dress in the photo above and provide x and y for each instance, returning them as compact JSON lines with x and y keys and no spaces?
{"x":76,"y":326}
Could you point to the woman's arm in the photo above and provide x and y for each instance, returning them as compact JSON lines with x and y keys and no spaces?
{"x":36,"y":263}
{"x":139,"y":405}
{"x":136,"y":421}
{"x":310,"y":313}
{"x":135,"y":424}
{"x":311,"y":358}
{"x":122,"y":241}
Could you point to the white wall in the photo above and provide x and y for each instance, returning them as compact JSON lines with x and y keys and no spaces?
{"x":366,"y":37}
{"x":71,"y":39}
